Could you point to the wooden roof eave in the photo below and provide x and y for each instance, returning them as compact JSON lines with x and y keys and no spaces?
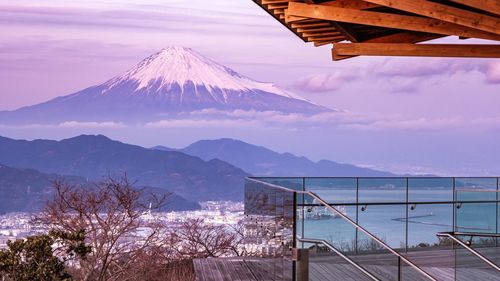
{"x":278,"y":19}
{"x":383,"y":27}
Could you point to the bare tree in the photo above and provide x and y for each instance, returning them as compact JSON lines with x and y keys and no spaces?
{"x":238,"y":241}
{"x":196,"y":239}
{"x":156,"y":266}
{"x":113,"y":215}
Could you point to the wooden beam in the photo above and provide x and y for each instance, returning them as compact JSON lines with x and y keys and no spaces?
{"x":420,"y":50}
{"x":317,"y":34}
{"x":492,"y":6}
{"x":308,"y":25}
{"x":445,"y":13}
{"x":351,"y":4}
{"x":317,"y":29}
{"x":266,"y":2}
{"x":321,"y":43}
{"x":402,"y":37}
{"x":292,"y":19}
{"x":413,"y":23}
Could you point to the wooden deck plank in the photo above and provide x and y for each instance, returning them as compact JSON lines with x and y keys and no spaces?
{"x":439,"y":263}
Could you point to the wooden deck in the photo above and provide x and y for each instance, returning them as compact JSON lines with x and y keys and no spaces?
{"x":239,"y":269}
{"x":439,"y":264}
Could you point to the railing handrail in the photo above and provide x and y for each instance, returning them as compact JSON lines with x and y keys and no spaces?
{"x":474,"y":234}
{"x":339,"y":253}
{"x":476,"y":190}
{"x":357,"y":226}
{"x":474,"y":252}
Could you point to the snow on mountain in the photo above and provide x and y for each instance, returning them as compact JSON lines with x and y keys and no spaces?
{"x":173,"y":81}
{"x":180,"y":65}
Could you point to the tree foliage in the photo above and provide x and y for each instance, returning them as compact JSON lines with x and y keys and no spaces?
{"x":42,"y":257}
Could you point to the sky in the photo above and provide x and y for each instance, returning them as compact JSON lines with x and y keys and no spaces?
{"x":407,"y":115}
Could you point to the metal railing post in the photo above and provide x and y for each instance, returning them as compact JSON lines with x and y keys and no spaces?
{"x":302,"y":264}
{"x":399,"y":269}
{"x":471,"y":250}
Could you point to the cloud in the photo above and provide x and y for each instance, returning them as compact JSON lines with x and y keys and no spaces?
{"x":171,"y":17}
{"x":211,"y":118}
{"x":204,"y":123}
{"x":324,"y":82}
{"x":69,"y":125}
{"x":406,"y":86}
{"x":401,"y":75}
{"x":424,"y":67}
{"x":424,"y":123}
{"x":76,"y":124}
{"x":268,"y":120}
{"x":493,"y":73}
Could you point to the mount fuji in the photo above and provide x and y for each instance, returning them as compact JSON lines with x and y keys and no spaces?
{"x":174,"y":81}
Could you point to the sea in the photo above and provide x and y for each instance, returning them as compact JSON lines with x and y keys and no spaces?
{"x":399,"y":225}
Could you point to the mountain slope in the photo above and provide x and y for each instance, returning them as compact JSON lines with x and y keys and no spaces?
{"x":27,"y":190}
{"x":261,"y":161}
{"x":96,"y":157}
{"x":173,"y":81}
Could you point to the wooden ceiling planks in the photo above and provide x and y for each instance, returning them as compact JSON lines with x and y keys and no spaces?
{"x":391,"y":27}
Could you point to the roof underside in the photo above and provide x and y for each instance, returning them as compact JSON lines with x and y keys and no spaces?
{"x":392,"y":27}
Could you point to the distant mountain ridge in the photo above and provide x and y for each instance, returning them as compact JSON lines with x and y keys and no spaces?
{"x":174,"y":81}
{"x":261,"y":161}
{"x":204,"y":170}
{"x":96,"y":157}
{"x":27,"y":190}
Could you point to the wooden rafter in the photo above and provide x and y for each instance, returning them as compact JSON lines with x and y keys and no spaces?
{"x":424,"y":50}
{"x":492,"y":6}
{"x":444,"y":13}
{"x":387,"y":20}
{"x":350,"y":4}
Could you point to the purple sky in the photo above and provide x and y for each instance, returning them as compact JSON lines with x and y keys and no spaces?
{"x":411,"y":114}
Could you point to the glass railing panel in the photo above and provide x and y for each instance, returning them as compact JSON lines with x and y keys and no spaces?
{"x":476,"y":217}
{"x":469,"y":267}
{"x":430,"y":189}
{"x":358,"y":246}
{"x":411,"y":274}
{"x":424,"y":221}
{"x":299,"y":221}
{"x":325,"y":264}
{"x":333,"y":190}
{"x":269,"y":227}
{"x":487,"y":246}
{"x":387,"y":222}
{"x":376,"y":259}
{"x":322,"y":223}
{"x":476,"y":189}
{"x":295,"y":183}
{"x":382,"y":190}
{"x":368,"y":253}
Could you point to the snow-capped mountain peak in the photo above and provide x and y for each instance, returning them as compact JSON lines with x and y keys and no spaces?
{"x":172,"y":83}
{"x":180,"y":65}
